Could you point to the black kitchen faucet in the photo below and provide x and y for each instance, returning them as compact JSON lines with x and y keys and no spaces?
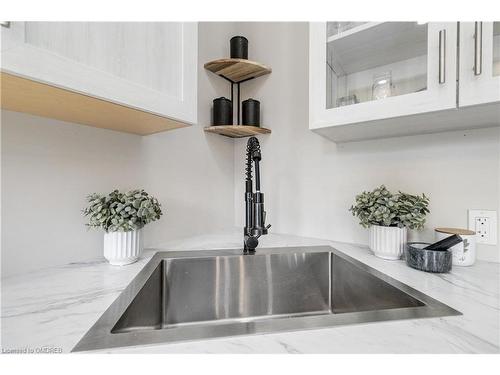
{"x":254,"y":202}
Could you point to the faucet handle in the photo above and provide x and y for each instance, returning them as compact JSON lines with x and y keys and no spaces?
{"x":265,"y":230}
{"x":264,"y":214}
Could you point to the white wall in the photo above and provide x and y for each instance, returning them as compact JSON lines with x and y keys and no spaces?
{"x":49,"y":166}
{"x":190,"y":170}
{"x":310,"y":182}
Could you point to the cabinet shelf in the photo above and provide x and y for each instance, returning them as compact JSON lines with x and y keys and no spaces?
{"x":237,"y":131}
{"x":376,"y":44}
{"x":41,"y":99}
{"x":237,"y":70}
{"x":354,"y":30}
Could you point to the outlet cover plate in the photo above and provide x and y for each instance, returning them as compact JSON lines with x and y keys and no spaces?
{"x":484,"y":223}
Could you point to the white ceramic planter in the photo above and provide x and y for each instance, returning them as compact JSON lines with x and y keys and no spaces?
{"x":121,"y":248}
{"x":387,"y":242}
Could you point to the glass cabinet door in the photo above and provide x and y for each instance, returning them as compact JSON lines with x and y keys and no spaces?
{"x":368,"y":61}
{"x":366,"y":71}
{"x":479,"y":80}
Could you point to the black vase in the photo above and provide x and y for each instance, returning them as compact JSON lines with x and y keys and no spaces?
{"x":251,"y":112}
{"x":223,"y":111}
{"x":239,"y":47}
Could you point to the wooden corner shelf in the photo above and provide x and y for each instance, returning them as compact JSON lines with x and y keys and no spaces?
{"x":237,"y":131}
{"x":28,"y":96}
{"x":237,"y":70}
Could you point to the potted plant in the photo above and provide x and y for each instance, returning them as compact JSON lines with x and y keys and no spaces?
{"x":388,"y":216}
{"x":122,"y":216}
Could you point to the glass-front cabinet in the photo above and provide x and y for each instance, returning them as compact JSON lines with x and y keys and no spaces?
{"x":367,"y":71}
{"x":479,"y":79}
{"x":366,"y":62}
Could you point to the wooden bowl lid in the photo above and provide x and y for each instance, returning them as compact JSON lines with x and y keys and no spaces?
{"x":459,"y":231}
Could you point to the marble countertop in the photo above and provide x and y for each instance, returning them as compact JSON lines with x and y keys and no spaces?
{"x":54,"y":307}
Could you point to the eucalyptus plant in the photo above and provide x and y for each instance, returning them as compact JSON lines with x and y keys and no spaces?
{"x":381,"y":207}
{"x":122,"y":212}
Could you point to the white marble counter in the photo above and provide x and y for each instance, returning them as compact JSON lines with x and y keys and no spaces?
{"x":54,"y":307}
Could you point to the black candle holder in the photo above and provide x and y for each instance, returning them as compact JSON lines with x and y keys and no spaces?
{"x":251,"y":112}
{"x":223,"y":111}
{"x":239,"y":47}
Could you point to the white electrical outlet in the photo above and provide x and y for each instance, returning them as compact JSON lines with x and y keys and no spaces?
{"x":484,"y":223}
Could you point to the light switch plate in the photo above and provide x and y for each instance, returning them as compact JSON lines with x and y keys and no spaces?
{"x":484,"y":223}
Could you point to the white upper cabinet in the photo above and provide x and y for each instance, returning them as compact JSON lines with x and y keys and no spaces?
{"x":144,"y":65}
{"x":372,"y":80}
{"x":479,"y":79}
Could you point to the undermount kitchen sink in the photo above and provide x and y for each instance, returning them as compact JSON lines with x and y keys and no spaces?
{"x":194,"y":295}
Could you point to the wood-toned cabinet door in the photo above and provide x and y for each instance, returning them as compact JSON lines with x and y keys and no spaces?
{"x":479,"y":78}
{"x":151,"y":66}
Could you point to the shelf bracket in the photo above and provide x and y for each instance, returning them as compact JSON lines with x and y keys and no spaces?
{"x":238,"y":96}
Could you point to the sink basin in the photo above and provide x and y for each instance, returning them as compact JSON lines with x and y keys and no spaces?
{"x":193,"y":295}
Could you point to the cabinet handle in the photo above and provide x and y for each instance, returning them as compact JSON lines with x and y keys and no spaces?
{"x":478,"y":48}
{"x":5,"y":24}
{"x":442,"y":56}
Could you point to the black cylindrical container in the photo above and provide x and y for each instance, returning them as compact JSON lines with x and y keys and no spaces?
{"x":223,"y":111}
{"x":251,"y":112}
{"x":239,"y":47}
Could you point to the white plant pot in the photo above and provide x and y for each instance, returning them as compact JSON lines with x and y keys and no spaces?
{"x":121,"y":248}
{"x":387,"y":242}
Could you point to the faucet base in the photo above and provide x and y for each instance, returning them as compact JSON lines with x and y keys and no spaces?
{"x":250,"y":243}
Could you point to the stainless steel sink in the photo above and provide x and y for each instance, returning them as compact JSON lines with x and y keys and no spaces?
{"x":205,"y":294}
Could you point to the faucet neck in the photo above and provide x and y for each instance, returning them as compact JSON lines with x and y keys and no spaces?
{"x":254,"y":201}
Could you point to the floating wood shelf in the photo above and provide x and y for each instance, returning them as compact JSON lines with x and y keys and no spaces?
{"x":237,"y":70}
{"x":237,"y":131}
{"x":28,"y":96}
